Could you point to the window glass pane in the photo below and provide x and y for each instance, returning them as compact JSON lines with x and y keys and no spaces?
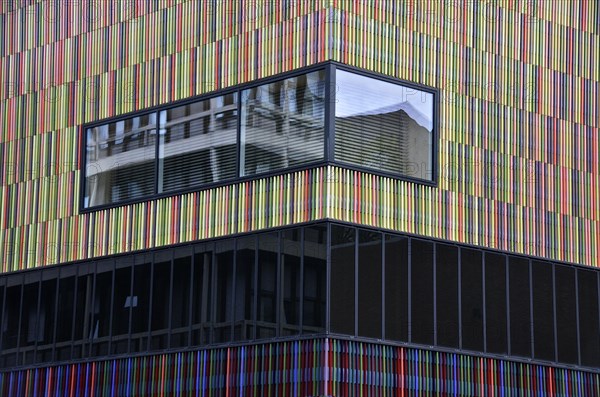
{"x":29,"y":310}
{"x":520,"y":313}
{"x":543,"y":311}
{"x":589,"y":327}
{"x":369,"y":284}
{"x":447,"y":295}
{"x":342,"y":292}
{"x":495,"y":303}
{"x":122,"y":304}
{"x":103,"y":292}
{"x":267,"y":285}
{"x":471,"y":299}
{"x":282,"y":124}
{"x":180,"y":300}
{"x":120,"y":161}
{"x":224,"y":291}
{"x":422,"y":292}
{"x":396,"y":288}
{"x":10,"y":320}
{"x":142,"y":272}
{"x":83,"y":309}
{"x":46,"y":316}
{"x":383,"y":126}
{"x":202,"y":298}
{"x":161,"y":294}
{"x":198,"y":143}
{"x":566,"y":314}
{"x":244,"y":288}
{"x":315,"y":278}
{"x":66,"y":308}
{"x":291,"y":253}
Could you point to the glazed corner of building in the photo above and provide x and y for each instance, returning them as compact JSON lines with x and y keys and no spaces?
{"x":516,"y":172}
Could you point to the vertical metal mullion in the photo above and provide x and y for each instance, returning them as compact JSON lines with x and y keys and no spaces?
{"x":484,"y":306}
{"x":577,"y":316}
{"x":459,"y":277}
{"x":554,"y":312}
{"x":434,"y":293}
{"x":356,"y":297}
{"x":409,"y":290}
{"x":507,"y":298}
{"x":170,"y":299}
{"x":329,"y":112}
{"x":327,"y":281}
{"x":531,"y":327}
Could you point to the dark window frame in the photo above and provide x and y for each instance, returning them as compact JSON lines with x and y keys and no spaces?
{"x":329,"y":67}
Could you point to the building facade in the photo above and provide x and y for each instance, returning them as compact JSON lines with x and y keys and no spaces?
{"x":299,"y":198}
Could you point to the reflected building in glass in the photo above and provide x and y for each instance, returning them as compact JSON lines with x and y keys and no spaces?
{"x":299,"y":199}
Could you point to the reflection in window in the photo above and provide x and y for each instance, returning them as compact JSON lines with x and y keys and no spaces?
{"x":140,"y":301}
{"x":180,"y":298}
{"x":543,"y":310}
{"x":99,"y":331}
{"x":268,"y":245}
{"x":202,"y":294}
{"x":120,"y":161}
{"x":46,"y":316}
{"x":28,"y":335}
{"x":396,"y":288}
{"x":282,"y":124}
{"x":383,"y":126}
{"x":315,"y":272}
{"x":122,"y":304}
{"x":369,"y":285}
{"x":66,"y":308}
{"x":495,"y":303}
{"x":446,"y":272}
{"x":244,"y":288}
{"x":566,"y":314}
{"x":422,"y":292}
{"x":520,"y":313}
{"x":197,"y":143}
{"x":11,"y":319}
{"x":589,"y":326}
{"x":291,"y":256}
{"x":224,"y":291}
{"x":471,"y":299}
{"x":343,"y":242}
{"x":161,"y":293}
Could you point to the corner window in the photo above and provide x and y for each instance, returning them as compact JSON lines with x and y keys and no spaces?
{"x":383,"y":126}
{"x":324,"y":115}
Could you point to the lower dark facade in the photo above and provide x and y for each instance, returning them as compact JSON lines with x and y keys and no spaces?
{"x":324,"y":308}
